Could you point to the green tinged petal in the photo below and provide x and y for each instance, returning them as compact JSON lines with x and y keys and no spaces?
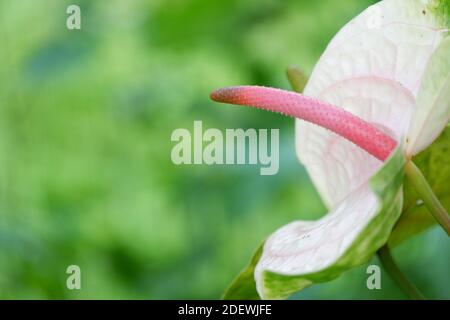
{"x":386,"y":184}
{"x":441,"y":10}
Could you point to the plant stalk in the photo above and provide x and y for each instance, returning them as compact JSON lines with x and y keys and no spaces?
{"x":423,"y":189}
{"x":397,"y":275}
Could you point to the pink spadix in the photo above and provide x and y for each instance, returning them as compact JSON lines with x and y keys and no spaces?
{"x":335,"y":119}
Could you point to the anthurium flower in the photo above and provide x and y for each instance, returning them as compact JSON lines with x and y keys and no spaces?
{"x":379,"y":95}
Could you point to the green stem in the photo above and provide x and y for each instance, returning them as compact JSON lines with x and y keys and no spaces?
{"x":396,"y":274}
{"x":423,"y":189}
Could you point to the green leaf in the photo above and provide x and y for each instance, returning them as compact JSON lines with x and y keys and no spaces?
{"x":434,"y":163}
{"x":243,"y":286}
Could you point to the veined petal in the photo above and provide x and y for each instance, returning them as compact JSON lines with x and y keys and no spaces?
{"x":373,"y":68}
{"x":433,"y":102}
{"x":305,"y":252}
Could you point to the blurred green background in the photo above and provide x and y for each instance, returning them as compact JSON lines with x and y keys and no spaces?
{"x":85,"y":170}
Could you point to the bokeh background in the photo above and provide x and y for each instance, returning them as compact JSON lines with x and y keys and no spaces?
{"x":85,"y":171}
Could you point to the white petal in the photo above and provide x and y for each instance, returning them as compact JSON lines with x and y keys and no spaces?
{"x":433,"y":102}
{"x":305,"y":252}
{"x":302,"y":247}
{"x":373,"y":68}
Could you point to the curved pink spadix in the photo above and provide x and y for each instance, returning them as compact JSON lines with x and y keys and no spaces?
{"x":335,"y":119}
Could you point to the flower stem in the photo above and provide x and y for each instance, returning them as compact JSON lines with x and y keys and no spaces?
{"x":397,"y":275}
{"x":423,"y":189}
